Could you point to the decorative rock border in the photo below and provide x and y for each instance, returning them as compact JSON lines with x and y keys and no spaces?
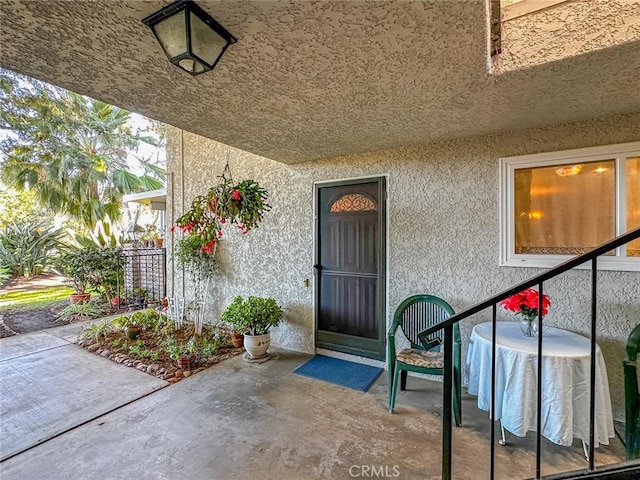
{"x":5,"y":331}
{"x":171,"y":375}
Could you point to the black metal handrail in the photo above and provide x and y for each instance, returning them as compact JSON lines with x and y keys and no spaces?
{"x":538,"y":280}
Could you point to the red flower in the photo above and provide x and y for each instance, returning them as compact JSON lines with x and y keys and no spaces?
{"x":172,"y":229}
{"x":236,"y":195}
{"x":526,"y":303}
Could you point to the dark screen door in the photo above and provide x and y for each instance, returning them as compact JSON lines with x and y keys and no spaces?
{"x":350,"y":253}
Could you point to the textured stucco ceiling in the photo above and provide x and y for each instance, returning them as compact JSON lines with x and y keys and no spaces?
{"x":310,"y":80}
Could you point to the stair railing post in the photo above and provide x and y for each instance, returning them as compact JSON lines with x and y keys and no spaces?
{"x":492,"y":417}
{"x":446,"y":402}
{"x":592,"y":390}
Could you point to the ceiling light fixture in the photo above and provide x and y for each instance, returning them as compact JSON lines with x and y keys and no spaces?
{"x":568,"y":170}
{"x":189,"y":36}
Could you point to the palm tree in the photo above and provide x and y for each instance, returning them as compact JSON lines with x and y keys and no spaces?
{"x":71,"y":150}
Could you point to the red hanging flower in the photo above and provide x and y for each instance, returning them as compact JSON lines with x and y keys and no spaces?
{"x":236,"y":195}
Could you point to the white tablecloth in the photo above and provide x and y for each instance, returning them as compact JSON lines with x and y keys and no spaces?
{"x":565,"y":376}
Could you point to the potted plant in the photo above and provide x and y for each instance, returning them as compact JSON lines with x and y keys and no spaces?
{"x":107,"y":271}
{"x":152,"y":236}
{"x":77,"y":269}
{"x":133,"y":324}
{"x":242,"y":204}
{"x":184,"y":354}
{"x":254,"y":317}
{"x":98,"y":268}
{"x":158,"y":241}
{"x":139,"y":299}
{"x":129,"y":325}
{"x":237,"y":339}
{"x":117,"y":301}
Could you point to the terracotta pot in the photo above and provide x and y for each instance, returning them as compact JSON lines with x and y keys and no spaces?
{"x":237,"y":339}
{"x":158,"y":242}
{"x":79,"y":298}
{"x":185,"y":362}
{"x":133,"y":331}
{"x":117,"y":301}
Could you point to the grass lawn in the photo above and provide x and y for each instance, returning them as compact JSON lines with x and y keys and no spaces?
{"x":33,"y":298}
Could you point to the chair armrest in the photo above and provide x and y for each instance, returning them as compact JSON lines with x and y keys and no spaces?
{"x":426,"y":343}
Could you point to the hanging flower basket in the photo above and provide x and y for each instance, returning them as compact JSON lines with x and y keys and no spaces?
{"x":242,"y":204}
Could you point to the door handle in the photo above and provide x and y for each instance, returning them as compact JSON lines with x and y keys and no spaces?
{"x":317,"y":267}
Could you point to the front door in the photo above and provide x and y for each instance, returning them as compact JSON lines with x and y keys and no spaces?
{"x":350,"y":266}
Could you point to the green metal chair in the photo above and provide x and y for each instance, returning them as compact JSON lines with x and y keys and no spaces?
{"x":632,"y":395}
{"x":414,"y":315}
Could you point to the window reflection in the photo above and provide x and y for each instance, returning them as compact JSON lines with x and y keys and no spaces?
{"x":633,"y":203}
{"x":564,"y":209}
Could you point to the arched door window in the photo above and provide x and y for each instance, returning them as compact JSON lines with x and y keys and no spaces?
{"x":353,"y":202}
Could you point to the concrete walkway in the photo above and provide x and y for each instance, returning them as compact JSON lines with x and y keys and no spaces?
{"x":241,"y":421}
{"x":48,"y":386}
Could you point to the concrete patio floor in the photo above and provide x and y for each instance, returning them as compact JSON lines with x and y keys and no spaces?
{"x":241,"y":421}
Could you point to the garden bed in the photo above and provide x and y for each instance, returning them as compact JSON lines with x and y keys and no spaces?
{"x":149,"y":353}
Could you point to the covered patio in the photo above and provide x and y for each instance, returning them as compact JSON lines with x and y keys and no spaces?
{"x":238,"y":420}
{"x":320,"y":94}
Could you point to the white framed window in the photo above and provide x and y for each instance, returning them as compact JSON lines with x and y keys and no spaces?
{"x":559,"y":204}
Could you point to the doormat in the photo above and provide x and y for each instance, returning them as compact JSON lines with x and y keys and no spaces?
{"x":340,"y":372}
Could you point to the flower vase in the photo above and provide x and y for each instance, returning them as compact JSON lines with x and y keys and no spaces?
{"x":529,"y":327}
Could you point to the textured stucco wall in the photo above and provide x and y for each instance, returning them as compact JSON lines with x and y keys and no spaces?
{"x":311,"y":80}
{"x":566,"y":30}
{"x":443,"y":208}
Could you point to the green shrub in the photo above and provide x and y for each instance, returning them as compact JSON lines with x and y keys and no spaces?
{"x":149,"y":318}
{"x":96,"y":331}
{"x":97,"y":268}
{"x":5,"y":274}
{"x":177,"y":349}
{"x":81,"y":311}
{"x":29,"y":248}
{"x":138,"y":350}
{"x":210,"y":346}
{"x":254,"y":316}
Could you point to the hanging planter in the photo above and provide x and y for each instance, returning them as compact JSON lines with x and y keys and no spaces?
{"x":227,"y":203}
{"x":242,"y":204}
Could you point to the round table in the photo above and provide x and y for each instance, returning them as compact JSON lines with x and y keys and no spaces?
{"x":566,"y":364}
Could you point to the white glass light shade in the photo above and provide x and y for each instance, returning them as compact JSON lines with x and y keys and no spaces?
{"x":189,"y":36}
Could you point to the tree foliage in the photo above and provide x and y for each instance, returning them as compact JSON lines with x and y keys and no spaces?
{"x":70,"y":150}
{"x":21,"y":207}
{"x":29,"y":248}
